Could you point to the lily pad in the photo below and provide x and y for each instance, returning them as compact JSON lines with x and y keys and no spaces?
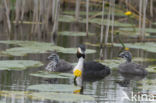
{"x":151,"y":69}
{"x":68,"y":97}
{"x":36,"y":47}
{"x":69,"y":33}
{"x":61,"y":97}
{"x":53,"y":88}
{"x":27,"y":22}
{"x":83,"y":13}
{"x":74,"y":50}
{"x":66,"y":18}
{"x":116,"y":23}
{"x":45,"y":74}
{"x":18,"y":64}
{"x":148,"y":46}
{"x":148,"y":30}
{"x":69,"y":19}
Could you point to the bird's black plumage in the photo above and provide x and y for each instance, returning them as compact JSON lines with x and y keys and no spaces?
{"x":95,"y":68}
{"x":94,"y":71}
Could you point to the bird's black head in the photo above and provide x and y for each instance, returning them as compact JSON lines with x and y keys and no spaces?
{"x":127,"y":55}
{"x":81,"y":51}
{"x":53,"y":57}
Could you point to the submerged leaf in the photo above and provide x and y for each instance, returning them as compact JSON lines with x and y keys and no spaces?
{"x":69,"y":33}
{"x":53,"y":87}
{"x":18,"y":64}
{"x":45,"y":74}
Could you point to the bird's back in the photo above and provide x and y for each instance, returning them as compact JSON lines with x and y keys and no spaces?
{"x":93,"y":68}
{"x":132,"y":68}
{"x":63,"y":66}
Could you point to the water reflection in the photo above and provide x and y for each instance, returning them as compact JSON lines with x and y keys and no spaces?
{"x":127,"y":78}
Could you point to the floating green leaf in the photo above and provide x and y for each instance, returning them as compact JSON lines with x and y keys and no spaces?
{"x":154,"y":23}
{"x":2,"y":101}
{"x":116,"y":23}
{"x":66,"y":18}
{"x":36,"y":47}
{"x":148,"y":30}
{"x":45,"y":74}
{"x":151,"y":69}
{"x":61,"y":97}
{"x":16,"y":94}
{"x":69,"y":33}
{"x":18,"y":64}
{"x":53,"y":88}
{"x":27,"y":22}
{"x":74,"y":50}
{"x":148,"y":46}
{"x":83,"y":13}
{"x":68,"y":97}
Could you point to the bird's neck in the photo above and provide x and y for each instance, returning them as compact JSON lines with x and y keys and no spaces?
{"x":80,"y":64}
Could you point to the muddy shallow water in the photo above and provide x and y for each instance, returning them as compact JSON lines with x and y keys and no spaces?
{"x":110,"y":89}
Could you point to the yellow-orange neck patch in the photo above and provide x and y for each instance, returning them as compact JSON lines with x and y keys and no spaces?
{"x":77,"y":91}
{"x":77,"y":73}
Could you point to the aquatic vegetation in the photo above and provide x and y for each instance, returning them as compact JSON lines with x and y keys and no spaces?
{"x":18,"y":64}
{"x":148,"y":46}
{"x":69,"y":33}
{"x":66,"y":18}
{"x":36,"y":47}
{"x":128,"y":13}
{"x":45,"y":74}
{"x":148,"y":30}
{"x":77,"y":73}
{"x":53,"y":88}
{"x":152,"y":68}
{"x":61,"y":97}
{"x":126,"y":48}
{"x":116,"y":23}
{"x":92,"y":13}
{"x":26,"y":22}
{"x":53,"y":96}
{"x":132,"y":34}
